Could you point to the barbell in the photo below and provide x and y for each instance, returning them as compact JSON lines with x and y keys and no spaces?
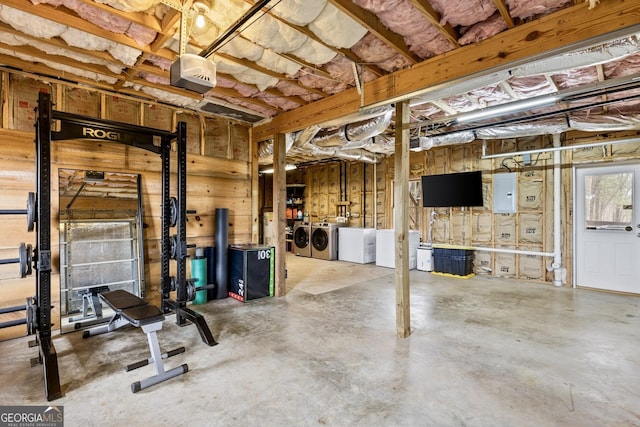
{"x":30,"y":212}
{"x":25,"y":259}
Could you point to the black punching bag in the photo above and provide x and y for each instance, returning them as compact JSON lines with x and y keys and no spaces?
{"x":221,"y":253}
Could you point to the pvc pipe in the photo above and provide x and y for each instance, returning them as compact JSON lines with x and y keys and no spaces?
{"x":557,"y":226}
{"x":555,"y":147}
{"x":510,"y":251}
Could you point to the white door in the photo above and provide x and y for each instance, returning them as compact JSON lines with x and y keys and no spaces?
{"x":607,"y":227}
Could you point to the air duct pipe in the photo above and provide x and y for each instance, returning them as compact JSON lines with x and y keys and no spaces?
{"x":350,"y":140}
{"x":353,"y":132}
{"x":265,"y":149}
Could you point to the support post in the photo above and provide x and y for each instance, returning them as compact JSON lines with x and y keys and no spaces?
{"x":401,"y":220}
{"x":279,"y":213}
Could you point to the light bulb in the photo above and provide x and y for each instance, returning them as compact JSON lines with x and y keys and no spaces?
{"x":200,"y":21}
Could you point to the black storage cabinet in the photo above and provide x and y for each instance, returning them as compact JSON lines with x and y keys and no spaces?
{"x":251,"y":269}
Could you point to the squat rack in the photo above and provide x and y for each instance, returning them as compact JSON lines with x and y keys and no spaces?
{"x":73,"y":126}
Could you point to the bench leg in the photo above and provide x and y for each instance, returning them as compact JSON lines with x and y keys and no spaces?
{"x":156,"y":355}
{"x":116,"y":322}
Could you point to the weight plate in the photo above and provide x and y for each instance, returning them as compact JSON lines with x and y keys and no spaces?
{"x":173,"y":246}
{"x":24,"y":253}
{"x":191,"y":289}
{"x":31,"y":211}
{"x":173,"y":206}
{"x":32,"y":316}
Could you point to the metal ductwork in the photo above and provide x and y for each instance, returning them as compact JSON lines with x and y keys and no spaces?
{"x":348,"y":139}
{"x":354,"y":133}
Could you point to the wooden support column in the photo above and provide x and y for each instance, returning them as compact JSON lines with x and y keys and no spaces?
{"x":255,"y":184}
{"x":401,"y":220}
{"x":279,"y":212}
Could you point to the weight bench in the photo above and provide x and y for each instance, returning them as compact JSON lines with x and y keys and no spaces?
{"x":130,"y":309}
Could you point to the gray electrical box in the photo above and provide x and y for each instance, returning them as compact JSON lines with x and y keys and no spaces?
{"x":504,"y":193}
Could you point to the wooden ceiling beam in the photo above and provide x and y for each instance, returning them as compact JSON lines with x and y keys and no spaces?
{"x":504,"y":12}
{"x":434,"y":18}
{"x":555,"y":32}
{"x":372,"y":23}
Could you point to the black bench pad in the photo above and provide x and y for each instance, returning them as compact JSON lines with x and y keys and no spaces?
{"x":121,"y":299}
{"x":143,"y":315}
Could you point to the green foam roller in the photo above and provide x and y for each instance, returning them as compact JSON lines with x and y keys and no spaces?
{"x":199,"y":272}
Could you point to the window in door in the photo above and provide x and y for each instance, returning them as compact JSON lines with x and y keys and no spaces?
{"x":608,"y":201}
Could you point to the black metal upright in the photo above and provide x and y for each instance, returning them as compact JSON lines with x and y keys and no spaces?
{"x":181,"y":246}
{"x":167,"y":285}
{"x":183,"y":313}
{"x":47,"y":353}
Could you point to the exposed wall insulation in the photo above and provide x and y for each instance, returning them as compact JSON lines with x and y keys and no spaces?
{"x":122,"y":110}
{"x":505,"y":263}
{"x":530,"y":228}
{"x":531,"y":266}
{"x":505,"y":228}
{"x":239,"y":140}
{"x":530,"y":187}
{"x":217,"y":136}
{"x":625,"y":149}
{"x":461,"y":227}
{"x":481,"y":231}
{"x":483,"y":263}
{"x":80,"y":101}
{"x":194,"y":127}
{"x":158,"y":117}
{"x":23,"y":99}
{"x":590,"y":153}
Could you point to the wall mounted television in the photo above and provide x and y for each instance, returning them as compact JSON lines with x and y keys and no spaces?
{"x":452,"y":190}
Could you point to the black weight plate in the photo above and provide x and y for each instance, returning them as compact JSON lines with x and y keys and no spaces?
{"x":31,"y":211}
{"x":25,"y":259}
{"x":173,"y":206}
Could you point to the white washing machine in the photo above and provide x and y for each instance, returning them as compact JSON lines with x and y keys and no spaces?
{"x":302,"y":239}
{"x":324,"y":241}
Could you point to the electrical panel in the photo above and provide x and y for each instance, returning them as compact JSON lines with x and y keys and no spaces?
{"x":504,"y":193}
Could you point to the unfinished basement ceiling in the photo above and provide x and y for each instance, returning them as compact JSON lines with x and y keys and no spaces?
{"x":293,"y":55}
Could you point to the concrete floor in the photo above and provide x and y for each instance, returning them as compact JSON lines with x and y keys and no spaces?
{"x":483,"y":352}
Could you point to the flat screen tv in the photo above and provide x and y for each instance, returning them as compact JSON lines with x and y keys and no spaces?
{"x":452,"y":189}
